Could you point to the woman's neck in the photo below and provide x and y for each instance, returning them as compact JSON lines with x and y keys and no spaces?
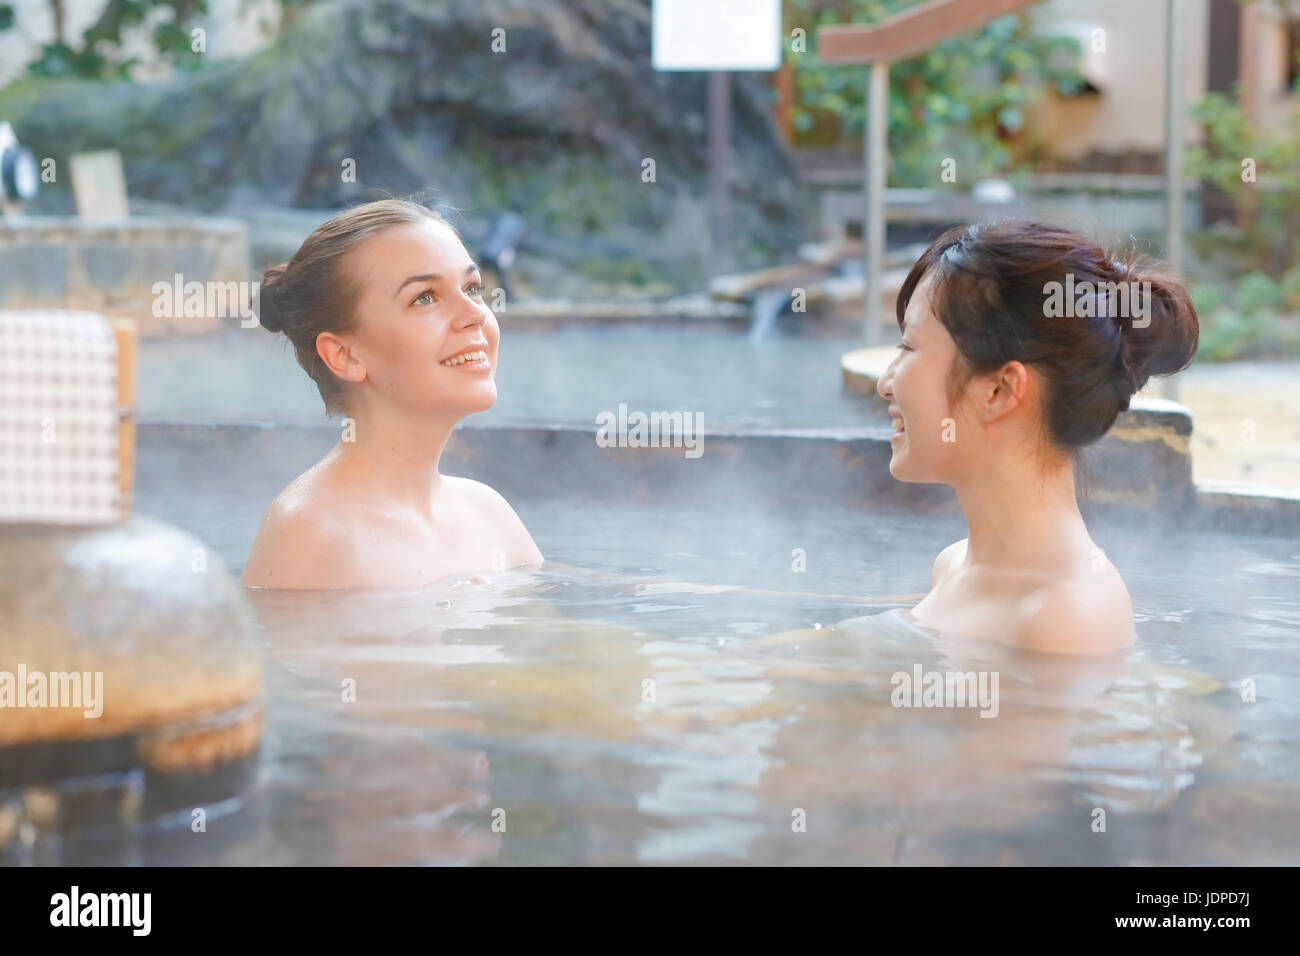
{"x":1023,"y":518}
{"x":395,"y":457}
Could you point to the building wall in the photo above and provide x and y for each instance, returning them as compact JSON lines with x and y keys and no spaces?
{"x":1127,"y":116}
{"x":1270,"y":70}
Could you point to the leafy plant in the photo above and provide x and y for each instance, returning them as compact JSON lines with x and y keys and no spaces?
{"x":966,"y":98}
{"x":1256,"y":166}
{"x":1253,"y":326}
{"x":1258,"y":294}
{"x":1207,"y":298}
{"x":99,"y":52}
{"x":1231,"y":335}
{"x":1291,"y":287}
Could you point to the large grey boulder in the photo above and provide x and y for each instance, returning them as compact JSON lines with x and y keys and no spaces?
{"x":557,"y":127}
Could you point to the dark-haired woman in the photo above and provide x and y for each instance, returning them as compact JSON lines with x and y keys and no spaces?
{"x":994,"y":390}
{"x":385,"y":312}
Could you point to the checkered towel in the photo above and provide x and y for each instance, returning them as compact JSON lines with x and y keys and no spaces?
{"x":58,"y":418}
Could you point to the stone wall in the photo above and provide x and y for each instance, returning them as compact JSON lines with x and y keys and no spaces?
{"x":113,"y":266}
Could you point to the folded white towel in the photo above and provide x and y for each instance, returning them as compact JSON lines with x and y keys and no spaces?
{"x":58,"y":418}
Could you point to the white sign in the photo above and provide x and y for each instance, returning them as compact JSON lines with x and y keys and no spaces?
{"x":716,"y":35}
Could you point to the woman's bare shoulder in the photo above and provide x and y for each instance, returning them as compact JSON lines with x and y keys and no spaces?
{"x":946,"y":559}
{"x":493,"y":506}
{"x":304,"y":541}
{"x":1090,"y":613}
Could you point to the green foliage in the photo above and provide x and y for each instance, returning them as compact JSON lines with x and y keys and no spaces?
{"x":1231,"y":335}
{"x":1254,"y":325}
{"x":1290,"y":285}
{"x":99,"y":54}
{"x":1207,"y":298}
{"x":1256,"y":166}
{"x":966,"y":98}
{"x":1258,"y":294}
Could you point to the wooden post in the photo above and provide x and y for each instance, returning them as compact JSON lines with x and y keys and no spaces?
{"x":783,"y":112}
{"x":873,"y":221}
{"x":124,"y":331}
{"x":1250,"y":45}
{"x":719,"y":164}
{"x":1175,"y":129}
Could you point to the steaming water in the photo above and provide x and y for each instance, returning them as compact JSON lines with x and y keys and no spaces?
{"x":524,"y":700}
{"x":565,"y":376}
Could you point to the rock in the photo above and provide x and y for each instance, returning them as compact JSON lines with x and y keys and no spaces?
{"x":146,"y":608}
{"x":141,"y":687}
{"x":556,"y":127}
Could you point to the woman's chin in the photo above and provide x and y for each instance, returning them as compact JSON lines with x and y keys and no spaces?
{"x":462,"y":403}
{"x":483,"y":398}
{"x":898,"y":467}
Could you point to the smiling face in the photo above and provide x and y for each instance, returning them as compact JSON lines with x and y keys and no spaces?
{"x":926,"y":427}
{"x":424,"y":340}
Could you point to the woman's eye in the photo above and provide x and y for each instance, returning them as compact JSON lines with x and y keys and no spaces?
{"x":426,"y":294}
{"x":474,"y":288}
{"x":904,"y":346}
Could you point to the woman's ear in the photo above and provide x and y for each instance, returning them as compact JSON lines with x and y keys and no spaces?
{"x":337,"y":354}
{"x":1004,"y":391}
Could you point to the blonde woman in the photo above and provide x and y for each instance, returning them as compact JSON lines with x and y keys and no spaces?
{"x":385,"y":311}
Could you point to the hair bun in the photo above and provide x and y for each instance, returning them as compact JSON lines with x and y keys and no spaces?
{"x":1160,"y":334}
{"x":269,"y":314}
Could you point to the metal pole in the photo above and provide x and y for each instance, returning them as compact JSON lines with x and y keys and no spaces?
{"x":873,"y":222}
{"x":1175,"y":128}
{"x":719,"y":163}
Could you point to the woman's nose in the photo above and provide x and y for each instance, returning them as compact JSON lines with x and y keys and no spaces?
{"x":471,"y":314}
{"x":884,"y":384}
